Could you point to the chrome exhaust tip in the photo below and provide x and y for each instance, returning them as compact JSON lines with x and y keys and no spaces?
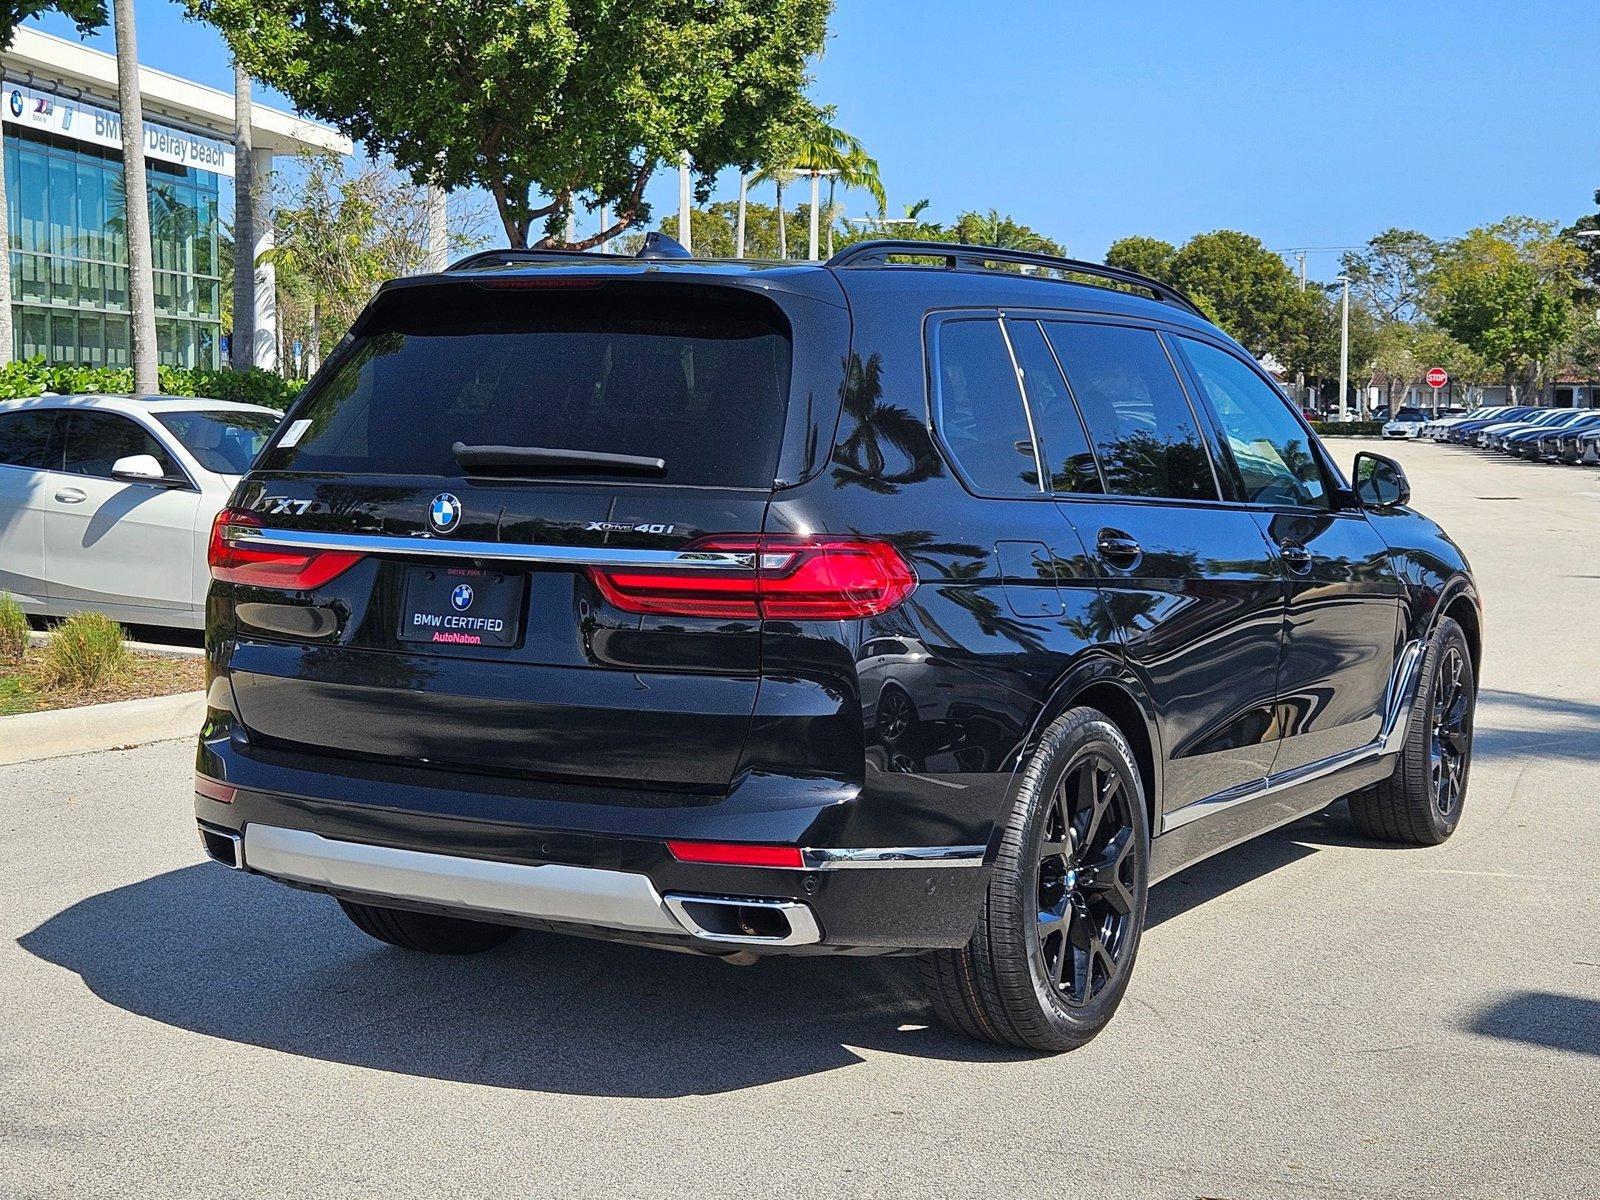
{"x":745,"y":921}
{"x":223,"y":846}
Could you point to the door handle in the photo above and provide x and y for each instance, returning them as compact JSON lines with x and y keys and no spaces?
{"x":1117,"y":548}
{"x":1295,"y":556}
{"x":71,"y":496}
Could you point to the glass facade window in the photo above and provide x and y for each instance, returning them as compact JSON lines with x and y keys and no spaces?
{"x":69,"y":255}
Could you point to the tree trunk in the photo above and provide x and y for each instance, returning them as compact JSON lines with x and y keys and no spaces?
{"x":141,"y":281}
{"x":783,"y":229}
{"x":314,"y":341}
{"x":438,"y":248}
{"x":7,"y":337}
{"x":242,"y":345}
{"x":832,"y":180}
{"x":738,"y":226}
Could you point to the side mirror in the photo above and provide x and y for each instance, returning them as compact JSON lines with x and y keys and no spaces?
{"x":1380,"y":482}
{"x":138,"y":468}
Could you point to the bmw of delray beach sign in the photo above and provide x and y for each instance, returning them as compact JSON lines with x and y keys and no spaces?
{"x":83,"y":122}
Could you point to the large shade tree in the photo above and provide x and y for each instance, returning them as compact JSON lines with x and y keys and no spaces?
{"x":88,"y":16}
{"x":549,"y":105}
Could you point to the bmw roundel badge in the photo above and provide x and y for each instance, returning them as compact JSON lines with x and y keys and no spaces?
{"x":461,"y":598}
{"x":444,"y":513}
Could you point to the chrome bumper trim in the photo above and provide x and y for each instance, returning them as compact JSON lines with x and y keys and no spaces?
{"x":551,"y":891}
{"x":892,"y":856}
{"x":434,"y":547}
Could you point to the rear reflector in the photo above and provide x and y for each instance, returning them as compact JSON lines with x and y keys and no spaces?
{"x":233,"y":561}
{"x":781,"y":578}
{"x":213,"y":789}
{"x":736,"y":854}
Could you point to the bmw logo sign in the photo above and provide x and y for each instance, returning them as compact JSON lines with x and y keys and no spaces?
{"x":16,"y":103}
{"x":444,"y":513}
{"x":461,"y":598}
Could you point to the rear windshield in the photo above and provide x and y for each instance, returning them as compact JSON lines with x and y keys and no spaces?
{"x":697,"y":378}
{"x":224,"y":442}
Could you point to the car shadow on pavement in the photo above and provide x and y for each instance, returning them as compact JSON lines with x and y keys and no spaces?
{"x":1551,"y":727}
{"x":1550,"y":1019}
{"x":236,"y":957}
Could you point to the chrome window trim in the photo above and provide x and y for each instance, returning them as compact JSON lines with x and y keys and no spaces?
{"x":426,"y":546}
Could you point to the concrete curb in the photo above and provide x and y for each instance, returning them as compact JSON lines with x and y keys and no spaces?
{"x":37,"y":638}
{"x":31,"y":736}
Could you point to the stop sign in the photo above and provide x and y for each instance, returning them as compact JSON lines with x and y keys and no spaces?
{"x":1437,"y":377}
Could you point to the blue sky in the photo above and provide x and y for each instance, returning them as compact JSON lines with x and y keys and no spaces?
{"x":1305,"y":124}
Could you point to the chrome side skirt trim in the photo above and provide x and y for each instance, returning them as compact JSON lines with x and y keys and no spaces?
{"x":551,"y":891}
{"x":1390,"y":738}
{"x":893,"y":856}
{"x":434,"y":547}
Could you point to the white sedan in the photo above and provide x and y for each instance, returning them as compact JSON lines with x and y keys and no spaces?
{"x":106,"y":502}
{"x":1406,"y":423}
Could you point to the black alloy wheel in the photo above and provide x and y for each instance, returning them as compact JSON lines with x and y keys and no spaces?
{"x":1450,"y":750}
{"x":1086,"y":879}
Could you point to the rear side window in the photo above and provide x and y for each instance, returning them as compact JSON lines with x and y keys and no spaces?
{"x":1064,"y":445}
{"x":1145,"y":434}
{"x":980,"y":409}
{"x":221,"y":441}
{"x":95,"y":440}
{"x":700,"y":381}
{"x":25,"y":438}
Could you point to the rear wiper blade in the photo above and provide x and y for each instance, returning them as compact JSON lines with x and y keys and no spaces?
{"x":534,"y":459}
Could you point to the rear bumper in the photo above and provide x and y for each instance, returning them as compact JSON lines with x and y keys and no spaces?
{"x":508,"y":860}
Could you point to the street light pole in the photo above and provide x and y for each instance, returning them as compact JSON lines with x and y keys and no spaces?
{"x":1344,"y":350}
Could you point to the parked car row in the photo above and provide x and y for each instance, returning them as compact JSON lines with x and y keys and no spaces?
{"x":1567,"y":435}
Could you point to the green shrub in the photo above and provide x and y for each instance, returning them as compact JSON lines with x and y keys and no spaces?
{"x":255,"y":386}
{"x":13,"y":630}
{"x":84,"y":651}
{"x":1348,"y":428}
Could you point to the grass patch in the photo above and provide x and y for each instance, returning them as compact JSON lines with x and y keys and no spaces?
{"x":25,"y":686}
{"x":13,"y":630}
{"x":85,"y":652}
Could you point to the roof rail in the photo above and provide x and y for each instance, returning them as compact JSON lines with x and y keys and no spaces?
{"x":506,"y":255}
{"x":963,"y":257}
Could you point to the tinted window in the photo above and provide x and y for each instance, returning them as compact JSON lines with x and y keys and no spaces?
{"x":1140,"y":422}
{"x":1065,"y":447}
{"x":95,"y":440}
{"x":1410,"y":414}
{"x":24,"y":437}
{"x":1271,"y":449}
{"x":698,"y":381}
{"x":980,"y":409}
{"x":224,"y":442}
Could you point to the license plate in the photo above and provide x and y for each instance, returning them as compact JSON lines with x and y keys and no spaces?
{"x":457,"y":606}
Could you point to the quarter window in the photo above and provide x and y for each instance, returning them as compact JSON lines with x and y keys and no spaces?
{"x":980,"y":409}
{"x":1271,"y":449}
{"x":25,"y":438}
{"x":1144,"y":432}
{"x":95,"y":440}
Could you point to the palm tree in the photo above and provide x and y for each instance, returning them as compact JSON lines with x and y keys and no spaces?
{"x":828,"y":148}
{"x":779,"y":176}
{"x":141,"y":280}
{"x":242,"y":347}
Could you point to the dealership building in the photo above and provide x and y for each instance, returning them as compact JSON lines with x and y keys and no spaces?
{"x":69,"y":252}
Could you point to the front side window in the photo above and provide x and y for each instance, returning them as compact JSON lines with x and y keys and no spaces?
{"x":224,"y":442}
{"x":25,"y":438}
{"x":95,"y":440}
{"x":980,"y":409}
{"x":1144,"y":432}
{"x":1271,"y":449}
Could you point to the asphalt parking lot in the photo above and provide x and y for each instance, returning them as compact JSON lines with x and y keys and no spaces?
{"x":1312,"y":1015}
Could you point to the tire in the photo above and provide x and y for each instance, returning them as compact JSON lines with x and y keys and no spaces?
{"x":1420,"y":804}
{"x":426,"y":932}
{"x":1021,"y":979}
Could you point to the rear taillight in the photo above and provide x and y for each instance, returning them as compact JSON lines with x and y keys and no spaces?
{"x":235,"y":560}
{"x":776,"y":577}
{"x":736,"y":854}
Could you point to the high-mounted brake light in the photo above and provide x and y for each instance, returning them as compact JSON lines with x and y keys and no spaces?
{"x":774,"y":576}
{"x":736,"y":854}
{"x":234,"y":560}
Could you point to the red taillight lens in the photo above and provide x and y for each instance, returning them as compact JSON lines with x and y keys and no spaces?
{"x":736,"y":854}
{"x":787,"y":578}
{"x":269,"y":566}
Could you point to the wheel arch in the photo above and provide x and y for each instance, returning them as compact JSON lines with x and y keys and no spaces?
{"x":1462,"y":606}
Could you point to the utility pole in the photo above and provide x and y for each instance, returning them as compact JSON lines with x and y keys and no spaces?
{"x":1344,"y":351}
{"x":1301,"y":255}
{"x":685,"y":196}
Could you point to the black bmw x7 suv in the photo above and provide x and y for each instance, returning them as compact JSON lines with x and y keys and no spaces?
{"x":932,"y":600}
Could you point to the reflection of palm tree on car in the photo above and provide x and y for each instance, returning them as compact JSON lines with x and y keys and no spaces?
{"x":862,"y":457}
